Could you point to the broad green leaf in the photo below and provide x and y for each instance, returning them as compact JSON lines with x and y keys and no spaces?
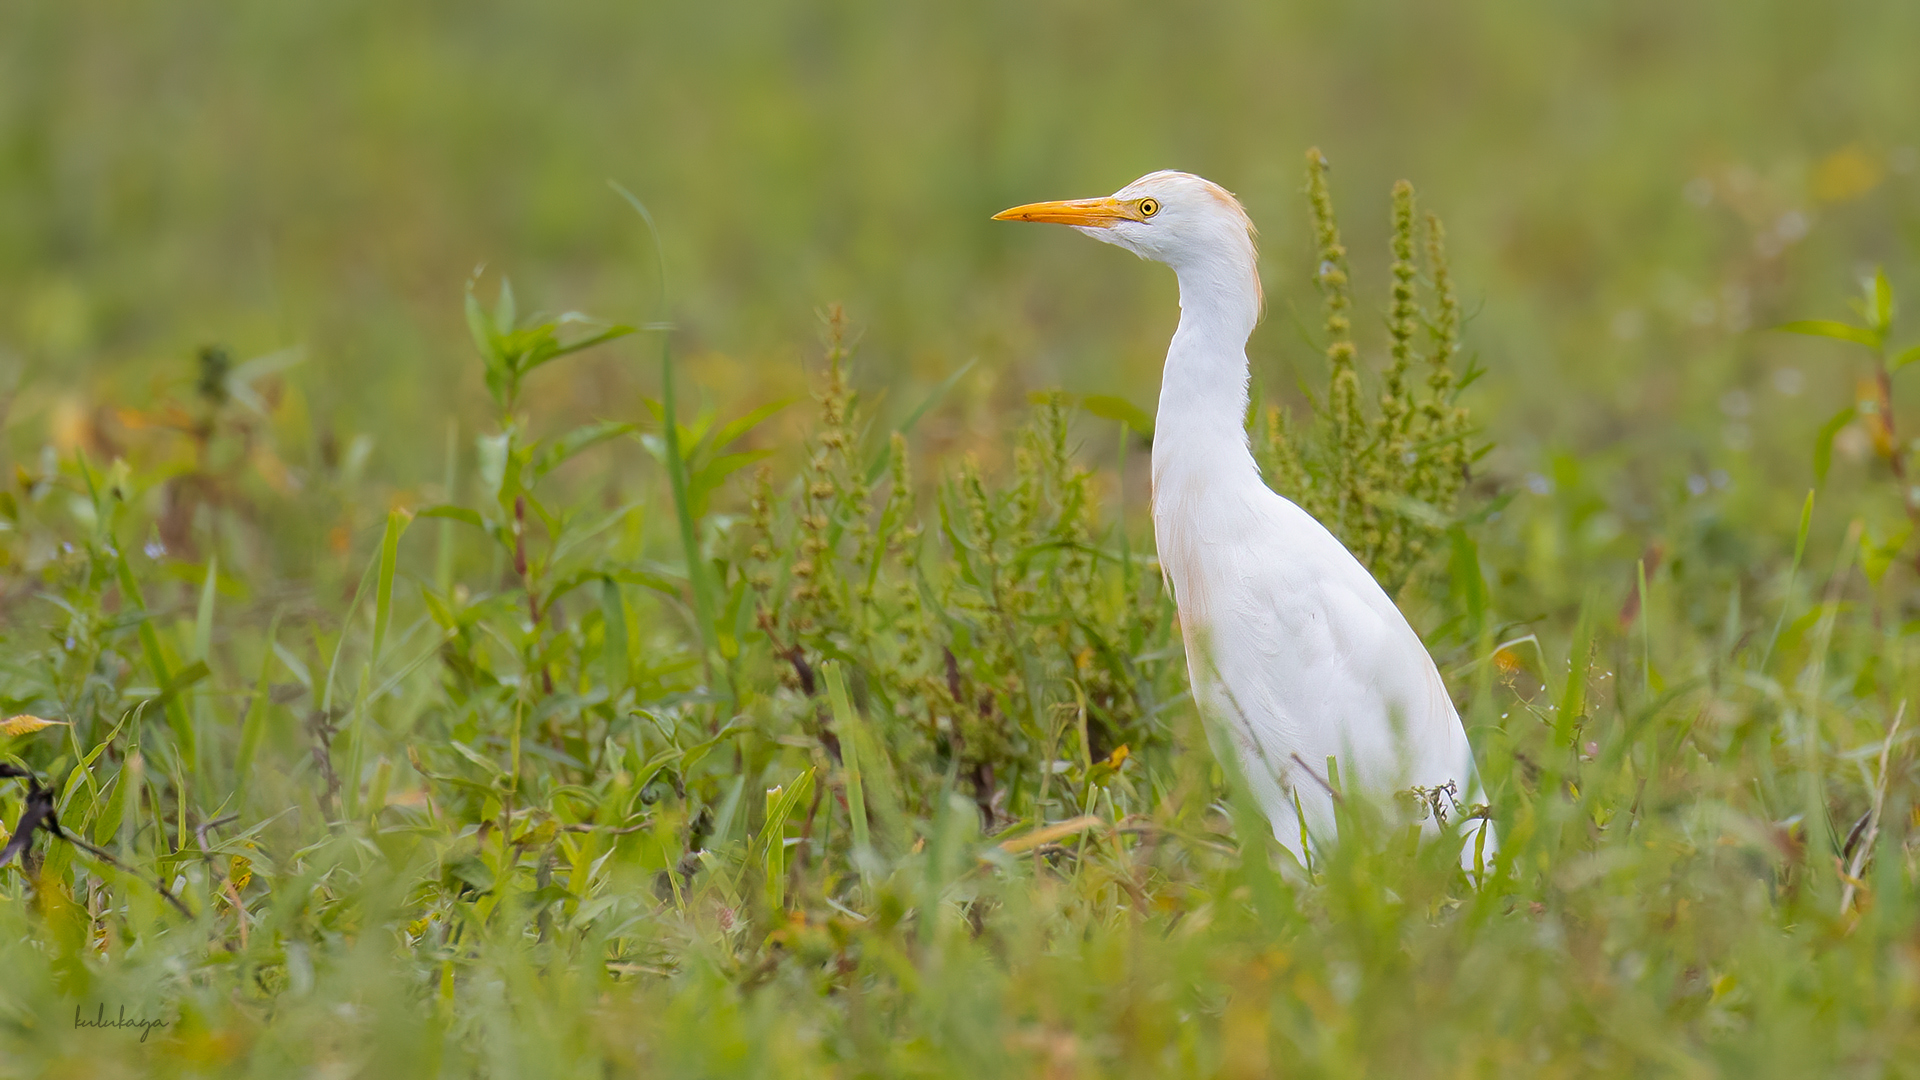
{"x":740,"y":425}
{"x":438,"y":610}
{"x":481,"y":327}
{"x":106,"y":825}
{"x":1466,"y":583}
{"x":659,"y":583}
{"x":1880,"y":301}
{"x":1823,"y":442}
{"x":454,"y":513}
{"x":1111,"y":407}
{"x":185,"y":678}
{"x":493,"y":450}
{"x":1878,"y":554}
{"x":559,"y":349}
{"x":492,"y":767}
{"x":1829,"y":328}
{"x":473,"y":871}
{"x":504,"y":313}
{"x":558,"y":451}
{"x":714,"y":473}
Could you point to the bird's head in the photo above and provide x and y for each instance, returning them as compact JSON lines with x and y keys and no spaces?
{"x":1176,"y":218}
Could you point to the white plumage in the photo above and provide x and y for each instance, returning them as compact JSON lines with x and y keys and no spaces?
{"x":1291,"y":645}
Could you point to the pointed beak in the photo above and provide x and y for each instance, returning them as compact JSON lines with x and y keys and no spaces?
{"x":1099,"y":213}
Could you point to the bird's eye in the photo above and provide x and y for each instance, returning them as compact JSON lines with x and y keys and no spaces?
{"x":1149,"y":207}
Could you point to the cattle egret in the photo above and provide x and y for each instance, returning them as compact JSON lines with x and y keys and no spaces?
{"x":1292,"y":647}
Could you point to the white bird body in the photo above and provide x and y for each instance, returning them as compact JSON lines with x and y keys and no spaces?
{"x":1292,"y":646}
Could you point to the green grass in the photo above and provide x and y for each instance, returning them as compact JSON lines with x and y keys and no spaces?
{"x":827,"y":715}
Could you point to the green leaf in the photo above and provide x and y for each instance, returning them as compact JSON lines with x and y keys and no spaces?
{"x":481,"y":328}
{"x":454,"y":513}
{"x":557,"y":452}
{"x":735,"y":428}
{"x":658,"y":582}
{"x":703,"y":604}
{"x":504,"y":313}
{"x":494,"y":452}
{"x":473,"y":871}
{"x":185,"y":678}
{"x":1823,"y":442}
{"x":1905,"y":357}
{"x":1573,"y":696}
{"x":492,"y":767}
{"x":155,"y":655}
{"x":253,"y":728}
{"x":1111,"y":407}
{"x":713,"y":473}
{"x":1880,"y":301}
{"x":1793,"y":571}
{"x":613,"y":637}
{"x":683,"y":510}
{"x":203,"y":618}
{"x":879,"y":463}
{"x":552,"y":349}
{"x":844,"y":723}
{"x":438,"y":609}
{"x":1413,"y":510}
{"x":781,"y":803}
{"x":106,"y":826}
{"x":875,"y":777}
{"x":1838,"y":331}
{"x":383,"y":590}
{"x":1467,"y":585}
{"x":1878,"y":554}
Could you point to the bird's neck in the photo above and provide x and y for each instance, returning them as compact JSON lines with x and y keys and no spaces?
{"x":1200,"y":437}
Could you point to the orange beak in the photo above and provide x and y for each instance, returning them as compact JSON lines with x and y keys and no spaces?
{"x":1099,"y":213}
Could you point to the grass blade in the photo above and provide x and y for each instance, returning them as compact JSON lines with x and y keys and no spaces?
{"x":845,"y":723}
{"x":879,"y":463}
{"x":254,"y":727}
{"x":156,"y":657}
{"x":203,"y":618}
{"x":1829,"y":328}
{"x":781,"y":803}
{"x":703,"y":605}
{"x":1793,"y":571}
{"x":383,"y":589}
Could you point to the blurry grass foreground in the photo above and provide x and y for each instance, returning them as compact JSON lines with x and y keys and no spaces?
{"x":869,"y":775}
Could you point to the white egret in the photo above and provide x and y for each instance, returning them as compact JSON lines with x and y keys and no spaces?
{"x":1291,"y":644}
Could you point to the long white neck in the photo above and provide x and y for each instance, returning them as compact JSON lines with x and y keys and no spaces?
{"x":1200,"y":438}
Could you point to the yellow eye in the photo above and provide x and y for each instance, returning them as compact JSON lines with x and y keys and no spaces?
{"x":1149,"y":207}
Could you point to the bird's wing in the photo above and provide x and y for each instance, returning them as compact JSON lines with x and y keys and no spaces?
{"x":1310,"y":659}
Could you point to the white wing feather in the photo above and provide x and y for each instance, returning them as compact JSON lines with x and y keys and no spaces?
{"x":1294,"y":646}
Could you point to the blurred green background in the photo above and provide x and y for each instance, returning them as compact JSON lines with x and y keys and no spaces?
{"x":1633,"y":188}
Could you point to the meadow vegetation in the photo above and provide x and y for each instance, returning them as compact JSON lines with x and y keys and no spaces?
{"x":617,"y":711}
